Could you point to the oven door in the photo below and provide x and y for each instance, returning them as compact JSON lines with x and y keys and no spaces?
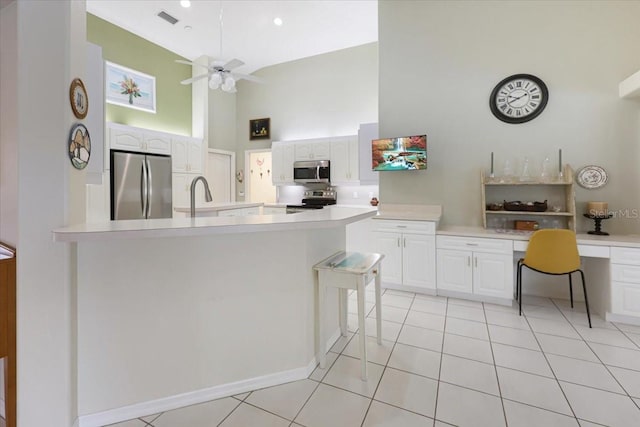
{"x":311,"y":171}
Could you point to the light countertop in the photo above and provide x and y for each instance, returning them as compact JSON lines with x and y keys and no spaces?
{"x":409,"y":212}
{"x":214,"y":207}
{"x":628,"y":240}
{"x":200,"y":226}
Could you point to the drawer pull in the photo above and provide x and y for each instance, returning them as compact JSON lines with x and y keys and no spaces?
{"x":401,"y":226}
{"x":471,"y":244}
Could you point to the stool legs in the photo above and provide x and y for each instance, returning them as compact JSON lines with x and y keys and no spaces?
{"x":361,"y":327}
{"x":343,"y":304}
{"x":322,"y":344}
{"x":378,"y":305}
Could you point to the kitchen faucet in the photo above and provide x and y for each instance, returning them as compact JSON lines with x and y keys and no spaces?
{"x":207,"y":193}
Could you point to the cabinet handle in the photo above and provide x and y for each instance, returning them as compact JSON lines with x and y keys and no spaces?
{"x":398,"y":242}
{"x":401,"y":226}
{"x":468,"y":261}
{"x":475,"y":261}
{"x":404,"y":242}
{"x":471,"y":244}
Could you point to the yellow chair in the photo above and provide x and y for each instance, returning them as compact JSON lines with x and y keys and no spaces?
{"x":552,"y":252}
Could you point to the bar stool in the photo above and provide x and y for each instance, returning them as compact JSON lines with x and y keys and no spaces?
{"x":348,"y":270}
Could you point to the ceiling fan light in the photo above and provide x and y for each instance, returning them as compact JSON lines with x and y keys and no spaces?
{"x":216,"y":79}
{"x":214,"y":83}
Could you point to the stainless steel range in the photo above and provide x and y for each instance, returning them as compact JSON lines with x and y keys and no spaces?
{"x":314,"y":199}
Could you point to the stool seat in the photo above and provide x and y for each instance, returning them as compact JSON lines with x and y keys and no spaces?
{"x":348,"y":270}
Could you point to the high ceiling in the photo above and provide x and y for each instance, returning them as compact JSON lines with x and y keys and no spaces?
{"x":248,"y":31}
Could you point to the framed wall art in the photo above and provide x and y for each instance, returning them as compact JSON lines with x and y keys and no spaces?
{"x":259,"y":129}
{"x":78,"y":98}
{"x":130,"y":88}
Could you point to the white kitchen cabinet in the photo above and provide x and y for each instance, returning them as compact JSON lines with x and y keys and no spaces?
{"x":282,"y":155}
{"x":625,"y":282}
{"x":187,"y":155}
{"x":128,"y":138}
{"x":410,"y":249}
{"x":475,"y":266}
{"x":344,"y":160}
{"x":312,"y":150}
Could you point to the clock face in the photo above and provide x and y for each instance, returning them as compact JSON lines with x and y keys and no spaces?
{"x":519,"y":98}
{"x":78,"y":98}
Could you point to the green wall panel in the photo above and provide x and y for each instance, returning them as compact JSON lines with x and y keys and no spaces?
{"x":173,"y":100}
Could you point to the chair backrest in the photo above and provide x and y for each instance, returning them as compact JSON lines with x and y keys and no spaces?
{"x":553,"y":251}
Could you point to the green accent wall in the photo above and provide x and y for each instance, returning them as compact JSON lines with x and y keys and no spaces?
{"x":173,"y":100}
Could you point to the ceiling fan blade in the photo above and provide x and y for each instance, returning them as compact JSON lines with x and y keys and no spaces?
{"x":194,"y":79}
{"x":248,"y":77}
{"x":234,"y":63}
{"x":180,"y":61}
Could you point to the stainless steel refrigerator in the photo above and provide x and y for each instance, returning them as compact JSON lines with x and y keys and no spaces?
{"x":140,"y":185}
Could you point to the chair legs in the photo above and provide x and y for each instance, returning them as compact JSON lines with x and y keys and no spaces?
{"x":519,"y":290}
{"x":519,"y":286}
{"x":571,"y":290}
{"x":586,"y":300}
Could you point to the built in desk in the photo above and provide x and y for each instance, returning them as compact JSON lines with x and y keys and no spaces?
{"x":611,"y":264}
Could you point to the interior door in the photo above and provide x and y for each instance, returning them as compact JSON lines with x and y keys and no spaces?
{"x":260,"y":186}
{"x":219,"y":176}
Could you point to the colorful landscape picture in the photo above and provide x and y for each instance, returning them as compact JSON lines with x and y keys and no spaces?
{"x":403,"y":153}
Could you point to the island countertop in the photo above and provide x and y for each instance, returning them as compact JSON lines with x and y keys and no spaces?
{"x":199,"y":226}
{"x":214,"y":207}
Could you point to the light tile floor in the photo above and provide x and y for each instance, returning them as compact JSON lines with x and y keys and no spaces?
{"x":445,"y":361}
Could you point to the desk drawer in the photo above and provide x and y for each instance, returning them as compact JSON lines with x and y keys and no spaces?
{"x":591,"y":251}
{"x":414,"y":227}
{"x":625,"y":273}
{"x":629,"y":256}
{"x":504,"y":246}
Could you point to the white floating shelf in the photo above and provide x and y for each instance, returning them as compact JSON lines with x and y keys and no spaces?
{"x":630,"y":87}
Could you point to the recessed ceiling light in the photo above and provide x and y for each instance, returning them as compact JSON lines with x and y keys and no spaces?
{"x":185,"y":3}
{"x":187,"y":27}
{"x":277,"y":21}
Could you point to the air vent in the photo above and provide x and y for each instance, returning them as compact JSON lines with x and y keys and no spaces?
{"x":170,"y":19}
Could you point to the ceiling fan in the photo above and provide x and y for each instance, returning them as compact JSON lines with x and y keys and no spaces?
{"x":220,"y":75}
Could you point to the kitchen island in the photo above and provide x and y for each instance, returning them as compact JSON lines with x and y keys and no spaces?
{"x":172,"y":312}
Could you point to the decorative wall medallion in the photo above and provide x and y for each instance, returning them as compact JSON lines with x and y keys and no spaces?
{"x":591,"y":177}
{"x":78,"y":98}
{"x":79,"y":146}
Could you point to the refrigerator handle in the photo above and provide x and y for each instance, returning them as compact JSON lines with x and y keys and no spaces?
{"x":143,"y":188}
{"x":149,"y":187}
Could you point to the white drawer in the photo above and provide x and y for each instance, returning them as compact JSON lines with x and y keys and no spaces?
{"x":414,"y":227}
{"x":625,"y":256}
{"x":625,"y":273}
{"x":504,"y":246}
{"x":625,"y":298}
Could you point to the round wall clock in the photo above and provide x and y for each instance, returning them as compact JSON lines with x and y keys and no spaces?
{"x":519,"y":98}
{"x":78,"y":98}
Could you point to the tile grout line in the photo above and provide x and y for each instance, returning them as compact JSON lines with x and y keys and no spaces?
{"x":384,"y":369}
{"x":495,"y":369}
{"x":444,"y":329}
{"x":551,"y":368}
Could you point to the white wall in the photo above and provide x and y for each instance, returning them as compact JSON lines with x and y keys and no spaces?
{"x":222,"y":120}
{"x":40,"y":192}
{"x":439,"y":61}
{"x":319,"y":96}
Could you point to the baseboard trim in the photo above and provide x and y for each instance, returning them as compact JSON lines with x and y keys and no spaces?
{"x":169,"y":403}
{"x":622,"y":318}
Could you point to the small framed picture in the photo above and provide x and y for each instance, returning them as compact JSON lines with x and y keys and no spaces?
{"x":259,"y":129}
{"x":130,"y":88}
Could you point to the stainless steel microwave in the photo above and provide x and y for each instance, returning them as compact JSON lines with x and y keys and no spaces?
{"x":311,"y":171}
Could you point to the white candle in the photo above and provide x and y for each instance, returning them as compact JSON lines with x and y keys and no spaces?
{"x":597,"y":208}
